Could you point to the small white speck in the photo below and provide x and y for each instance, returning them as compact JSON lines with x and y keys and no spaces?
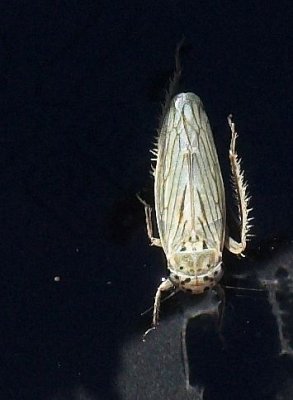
{"x":77,"y":250}
{"x":163,"y":279}
{"x":109,"y":282}
{"x":57,"y":278}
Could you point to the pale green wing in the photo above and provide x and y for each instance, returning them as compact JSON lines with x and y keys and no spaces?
{"x":189,"y":191}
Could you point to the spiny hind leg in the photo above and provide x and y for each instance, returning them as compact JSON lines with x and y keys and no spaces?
{"x":241,"y":195}
{"x":148,"y":219}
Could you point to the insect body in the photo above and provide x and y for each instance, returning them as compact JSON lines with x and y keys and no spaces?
{"x":190,"y":199}
{"x":189,"y":196}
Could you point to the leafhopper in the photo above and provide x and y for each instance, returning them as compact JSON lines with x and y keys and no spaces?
{"x":190,"y":197}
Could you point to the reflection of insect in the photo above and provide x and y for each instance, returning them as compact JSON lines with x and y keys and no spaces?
{"x":190,"y":197}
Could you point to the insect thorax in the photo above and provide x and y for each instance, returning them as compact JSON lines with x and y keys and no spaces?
{"x":197,"y":271}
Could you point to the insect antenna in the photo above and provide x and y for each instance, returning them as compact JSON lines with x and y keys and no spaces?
{"x":162,"y":301}
{"x":243,"y":288}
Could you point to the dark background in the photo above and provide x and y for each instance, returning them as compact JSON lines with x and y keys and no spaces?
{"x":82,"y":83}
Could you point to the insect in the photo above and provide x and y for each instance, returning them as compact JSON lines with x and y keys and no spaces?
{"x":190,"y":197}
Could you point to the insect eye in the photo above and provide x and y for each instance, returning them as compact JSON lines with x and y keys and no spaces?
{"x":181,"y":267}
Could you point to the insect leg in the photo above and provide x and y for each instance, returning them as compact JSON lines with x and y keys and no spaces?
{"x":164,"y":286}
{"x":240,"y":190}
{"x":148,"y":220}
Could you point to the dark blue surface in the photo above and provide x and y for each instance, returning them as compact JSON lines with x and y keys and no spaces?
{"x":81,"y":88}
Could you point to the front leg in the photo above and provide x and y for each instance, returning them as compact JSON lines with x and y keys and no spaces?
{"x":148,"y":220}
{"x":241,"y":195}
{"x":164,"y":286}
